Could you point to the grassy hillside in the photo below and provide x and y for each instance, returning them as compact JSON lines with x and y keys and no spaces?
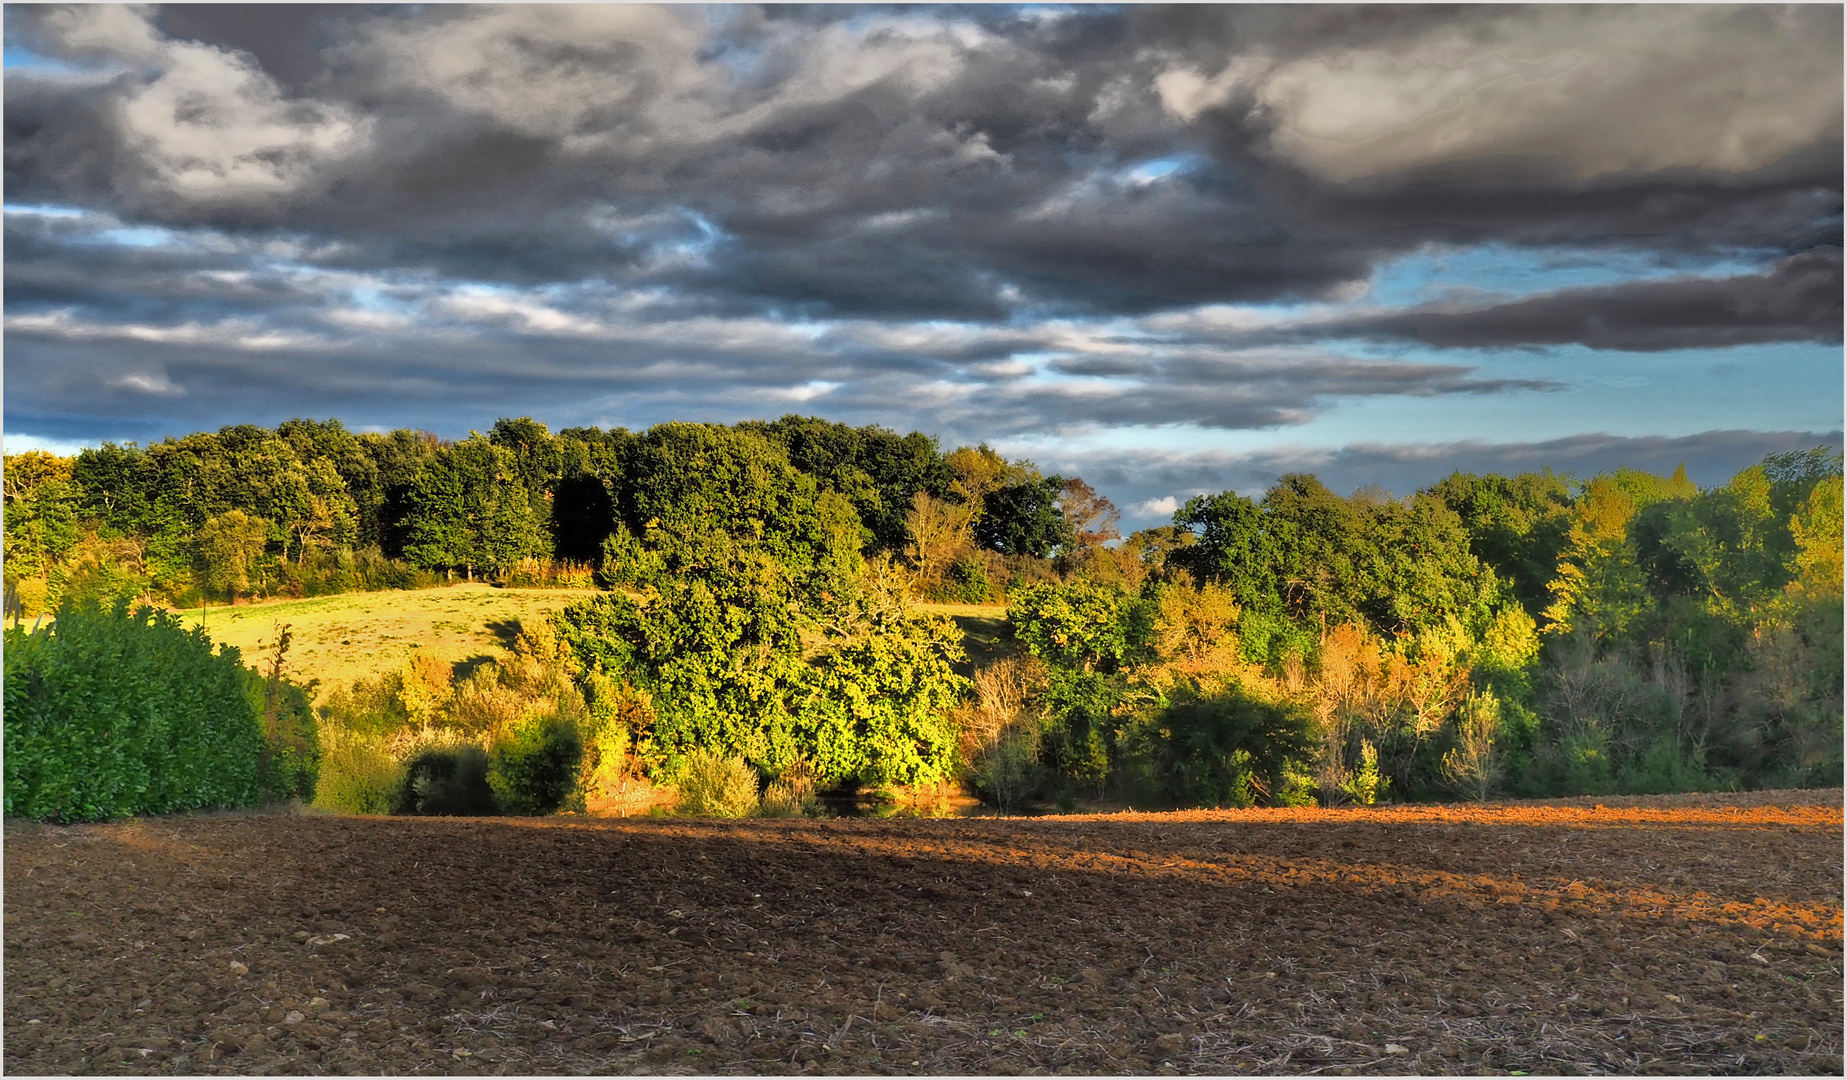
{"x":341,"y":638}
{"x":337,"y":639}
{"x":984,"y":630}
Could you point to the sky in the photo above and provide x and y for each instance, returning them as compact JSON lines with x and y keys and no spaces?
{"x":1171,"y":249}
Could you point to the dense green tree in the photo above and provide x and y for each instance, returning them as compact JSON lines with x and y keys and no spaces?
{"x":112,"y":487}
{"x":877,"y":469}
{"x":1310,"y":556}
{"x":697,"y":499}
{"x":537,"y":463}
{"x":41,"y":513}
{"x":385,"y":509}
{"x":468,"y":510}
{"x":327,"y":445}
{"x":1516,"y":526}
{"x":1023,"y":518}
{"x":231,"y":552}
{"x":1234,"y":545}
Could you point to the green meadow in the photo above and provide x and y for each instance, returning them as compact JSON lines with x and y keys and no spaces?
{"x":337,"y":639}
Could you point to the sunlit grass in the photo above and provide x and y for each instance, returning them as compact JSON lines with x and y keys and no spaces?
{"x":979,"y":611}
{"x":337,"y":639}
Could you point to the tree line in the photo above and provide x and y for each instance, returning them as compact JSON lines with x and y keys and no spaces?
{"x":309,"y":507}
{"x":1526,"y":634}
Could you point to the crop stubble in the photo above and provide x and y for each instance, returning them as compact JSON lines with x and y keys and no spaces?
{"x":1674,"y":936}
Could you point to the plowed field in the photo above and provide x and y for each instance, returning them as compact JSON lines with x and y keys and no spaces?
{"x":1679,"y":936}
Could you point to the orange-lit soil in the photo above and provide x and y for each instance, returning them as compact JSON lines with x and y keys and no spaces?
{"x":1686,"y":935}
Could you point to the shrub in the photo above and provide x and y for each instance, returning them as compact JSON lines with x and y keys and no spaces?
{"x":968,"y":581}
{"x":618,"y":716}
{"x":322,"y":571}
{"x":482,"y":704}
{"x":1226,"y":748}
{"x":879,"y":712}
{"x":1006,"y":772}
{"x":716,"y":785}
{"x":721,"y":662}
{"x":291,"y":760}
{"x":533,"y":764}
{"x":790,"y":795}
{"x":27,"y":597}
{"x":446,"y":780}
{"x":1078,"y":726}
{"x":374,"y":706}
{"x":100,"y":573}
{"x":1000,"y":733}
{"x":110,"y":714}
{"x":291,"y":755}
{"x":1474,"y":765}
{"x":359,"y":774}
{"x":1367,"y":783}
{"x":532,"y":573}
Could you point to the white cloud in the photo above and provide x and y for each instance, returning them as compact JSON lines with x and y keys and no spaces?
{"x":1599,"y":90}
{"x":229,"y":333}
{"x":1162,"y":507}
{"x":1186,"y":93}
{"x":207,"y":122}
{"x":156,"y":384}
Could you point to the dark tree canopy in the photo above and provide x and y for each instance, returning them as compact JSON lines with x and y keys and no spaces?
{"x":1024,"y":519}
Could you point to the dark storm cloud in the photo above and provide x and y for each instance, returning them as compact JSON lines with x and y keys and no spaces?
{"x":285,"y":38}
{"x":84,"y":261}
{"x":1800,"y":300}
{"x":965,"y":216}
{"x":1428,"y":126}
{"x":480,"y":141}
{"x":441,"y":350}
{"x":1136,"y":478}
{"x":197,"y":377}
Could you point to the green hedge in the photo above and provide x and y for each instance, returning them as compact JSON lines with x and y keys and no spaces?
{"x":110,"y":714}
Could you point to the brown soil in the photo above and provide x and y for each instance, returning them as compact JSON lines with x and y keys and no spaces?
{"x":1655,"y":937}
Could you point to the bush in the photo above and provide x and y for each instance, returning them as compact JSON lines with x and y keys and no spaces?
{"x":617,"y":715}
{"x":1000,"y":732}
{"x":110,"y":714}
{"x":879,"y":712}
{"x":446,"y":780}
{"x":716,"y":785}
{"x":533,"y":764}
{"x":721,"y":661}
{"x":1367,"y":783}
{"x":1228,"y":748}
{"x":534,"y":573}
{"x":359,"y":774}
{"x":1006,"y":773}
{"x":968,"y":581}
{"x":291,"y":761}
{"x":26,"y":597}
{"x":1079,"y":625}
{"x":327,"y":571}
{"x":291,"y":747}
{"x":790,"y":795}
{"x":372,"y":706}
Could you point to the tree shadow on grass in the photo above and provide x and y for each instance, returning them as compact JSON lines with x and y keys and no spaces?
{"x":462,"y":669}
{"x":505,"y":631}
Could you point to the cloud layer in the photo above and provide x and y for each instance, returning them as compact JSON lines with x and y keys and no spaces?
{"x":1026,"y":224}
